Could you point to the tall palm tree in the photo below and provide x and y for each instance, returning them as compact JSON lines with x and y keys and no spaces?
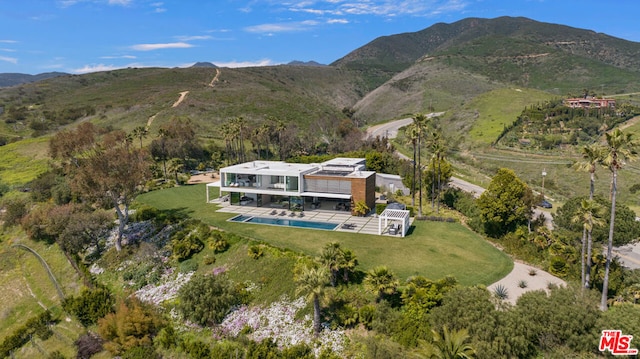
{"x":592,"y":155}
{"x":140,"y":133}
{"x":438,"y":149}
{"x":330,"y":257}
{"x":312,"y":282}
{"x":420,"y":121}
{"x":620,"y":147}
{"x":412,"y":136}
{"x":381,"y":281}
{"x":449,"y":345}
{"x":589,"y":214}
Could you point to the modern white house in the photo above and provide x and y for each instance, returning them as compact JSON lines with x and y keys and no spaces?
{"x":335,"y":184}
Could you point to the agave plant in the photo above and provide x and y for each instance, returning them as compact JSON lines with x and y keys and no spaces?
{"x":501,"y":292}
{"x":523,"y":284}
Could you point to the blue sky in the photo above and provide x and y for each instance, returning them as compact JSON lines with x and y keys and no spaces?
{"x":79,"y":36}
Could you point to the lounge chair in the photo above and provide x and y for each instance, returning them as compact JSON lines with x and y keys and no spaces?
{"x":274,"y":212}
{"x":283,"y":213}
{"x":292,"y":214}
{"x":301,"y":214}
{"x":393,"y":230}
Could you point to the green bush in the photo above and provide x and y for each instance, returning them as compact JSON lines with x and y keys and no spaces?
{"x":146,"y":213}
{"x":38,"y":326}
{"x":207,"y":299}
{"x":380,"y":207}
{"x":90,"y":305}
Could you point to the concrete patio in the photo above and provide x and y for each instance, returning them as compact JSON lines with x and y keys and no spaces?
{"x":346,"y":222}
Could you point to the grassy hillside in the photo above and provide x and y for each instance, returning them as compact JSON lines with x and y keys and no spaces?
{"x":498,"y":108}
{"x":130,"y":97}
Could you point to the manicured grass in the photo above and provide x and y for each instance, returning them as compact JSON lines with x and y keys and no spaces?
{"x":432,"y":249}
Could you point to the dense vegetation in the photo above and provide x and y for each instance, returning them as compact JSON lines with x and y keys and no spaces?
{"x":174,"y":279}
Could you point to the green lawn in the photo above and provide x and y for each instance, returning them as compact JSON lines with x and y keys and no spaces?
{"x":432,"y":249}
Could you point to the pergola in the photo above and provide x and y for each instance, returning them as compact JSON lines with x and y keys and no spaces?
{"x":399,"y":216}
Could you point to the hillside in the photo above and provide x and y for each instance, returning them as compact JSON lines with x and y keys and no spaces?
{"x":13,"y":79}
{"x":129,"y":97}
{"x":447,"y":64}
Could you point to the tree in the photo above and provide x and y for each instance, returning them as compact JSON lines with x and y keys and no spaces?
{"x":330,"y":258}
{"x":361,"y":208}
{"x":207,"y":299}
{"x":312,"y":281}
{"x":505,"y":204}
{"x":85,"y":229}
{"x":69,"y":145}
{"x":589,"y":214}
{"x":348,"y":263}
{"x":112,"y":172}
{"x":133,"y":324}
{"x":420,"y":122}
{"x":140,"y":133}
{"x":381,"y":281}
{"x":592,"y":155}
{"x":448,"y":345}
{"x":621,"y":147}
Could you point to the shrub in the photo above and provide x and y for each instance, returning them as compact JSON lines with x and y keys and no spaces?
{"x":133,"y":324}
{"x":209,"y":260}
{"x":206,"y":299}
{"x":501,"y":292}
{"x":141,"y":352}
{"x":88,"y":345}
{"x":90,"y":305}
{"x":255,"y":251}
{"x":523,"y":284}
{"x":146,"y":213}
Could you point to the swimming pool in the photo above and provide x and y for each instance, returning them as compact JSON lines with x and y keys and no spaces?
{"x":285,"y":222}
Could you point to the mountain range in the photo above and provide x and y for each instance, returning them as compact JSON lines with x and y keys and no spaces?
{"x":441,"y":68}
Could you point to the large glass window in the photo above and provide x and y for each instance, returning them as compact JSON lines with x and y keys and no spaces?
{"x":292,"y":183}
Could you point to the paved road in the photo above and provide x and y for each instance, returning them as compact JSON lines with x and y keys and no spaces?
{"x":390,"y":129}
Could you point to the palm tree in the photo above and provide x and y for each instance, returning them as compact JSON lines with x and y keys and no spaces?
{"x":312,"y":281}
{"x":140,"y":132}
{"x":449,"y":345}
{"x":620,"y":147}
{"x":348,"y":263}
{"x":589,"y":214}
{"x":438,"y":148}
{"x":591,"y":155}
{"x":381,"y":281}
{"x":420,"y":122}
{"x":330,"y":257}
{"x":412,"y":134}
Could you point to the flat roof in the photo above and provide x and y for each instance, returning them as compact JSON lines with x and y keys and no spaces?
{"x":344,"y":161}
{"x":277,"y":168}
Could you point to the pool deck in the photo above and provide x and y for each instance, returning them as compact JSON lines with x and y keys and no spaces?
{"x":363,"y":225}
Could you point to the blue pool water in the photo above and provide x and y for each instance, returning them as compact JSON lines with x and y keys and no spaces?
{"x":284,"y":222}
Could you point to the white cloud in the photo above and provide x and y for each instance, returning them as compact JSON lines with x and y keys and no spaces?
{"x":283,"y":27}
{"x":119,"y":57}
{"x":377,"y":7}
{"x":8,"y":41}
{"x":12,"y":60}
{"x":193,"y":38}
{"x":94,"y":68}
{"x":170,"y":45}
{"x":120,"y":2}
{"x":7,"y":50}
{"x":337,"y":21}
{"x":263,"y":62}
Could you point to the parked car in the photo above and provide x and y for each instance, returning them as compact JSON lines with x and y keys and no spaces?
{"x":545,"y":204}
